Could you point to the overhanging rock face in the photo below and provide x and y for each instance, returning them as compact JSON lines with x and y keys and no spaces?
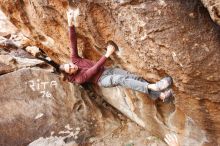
{"x":155,"y":38}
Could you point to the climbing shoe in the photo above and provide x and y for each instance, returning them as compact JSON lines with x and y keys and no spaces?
{"x":164,"y":83}
{"x":168,"y":96}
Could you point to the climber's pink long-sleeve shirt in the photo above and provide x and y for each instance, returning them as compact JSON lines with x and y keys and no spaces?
{"x":88,"y":71}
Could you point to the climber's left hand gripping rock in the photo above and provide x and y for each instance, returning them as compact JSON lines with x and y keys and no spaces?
{"x":72,"y":15}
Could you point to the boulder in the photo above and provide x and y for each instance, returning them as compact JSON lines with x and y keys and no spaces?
{"x":36,"y":103}
{"x":155,"y":38}
{"x":39,"y":109}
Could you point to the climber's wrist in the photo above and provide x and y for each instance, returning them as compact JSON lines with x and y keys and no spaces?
{"x":70,"y":24}
{"x":70,"y":21}
{"x":73,"y":23}
{"x":107,"y":55}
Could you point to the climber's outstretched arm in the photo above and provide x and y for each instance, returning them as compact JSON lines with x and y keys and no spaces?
{"x":73,"y":42}
{"x":71,"y":16}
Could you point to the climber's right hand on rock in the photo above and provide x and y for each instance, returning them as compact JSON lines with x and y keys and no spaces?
{"x":72,"y":15}
{"x":110,"y":50}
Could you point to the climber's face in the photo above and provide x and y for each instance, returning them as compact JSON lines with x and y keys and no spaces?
{"x":70,"y":68}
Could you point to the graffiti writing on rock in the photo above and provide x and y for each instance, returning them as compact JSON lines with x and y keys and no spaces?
{"x":42,"y":86}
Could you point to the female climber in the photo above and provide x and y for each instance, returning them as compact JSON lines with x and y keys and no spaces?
{"x":82,"y":70}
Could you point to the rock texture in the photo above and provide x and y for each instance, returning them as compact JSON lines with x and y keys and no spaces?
{"x":8,"y":27}
{"x":155,"y":38}
{"x":213,"y":7}
{"x":15,"y":60}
